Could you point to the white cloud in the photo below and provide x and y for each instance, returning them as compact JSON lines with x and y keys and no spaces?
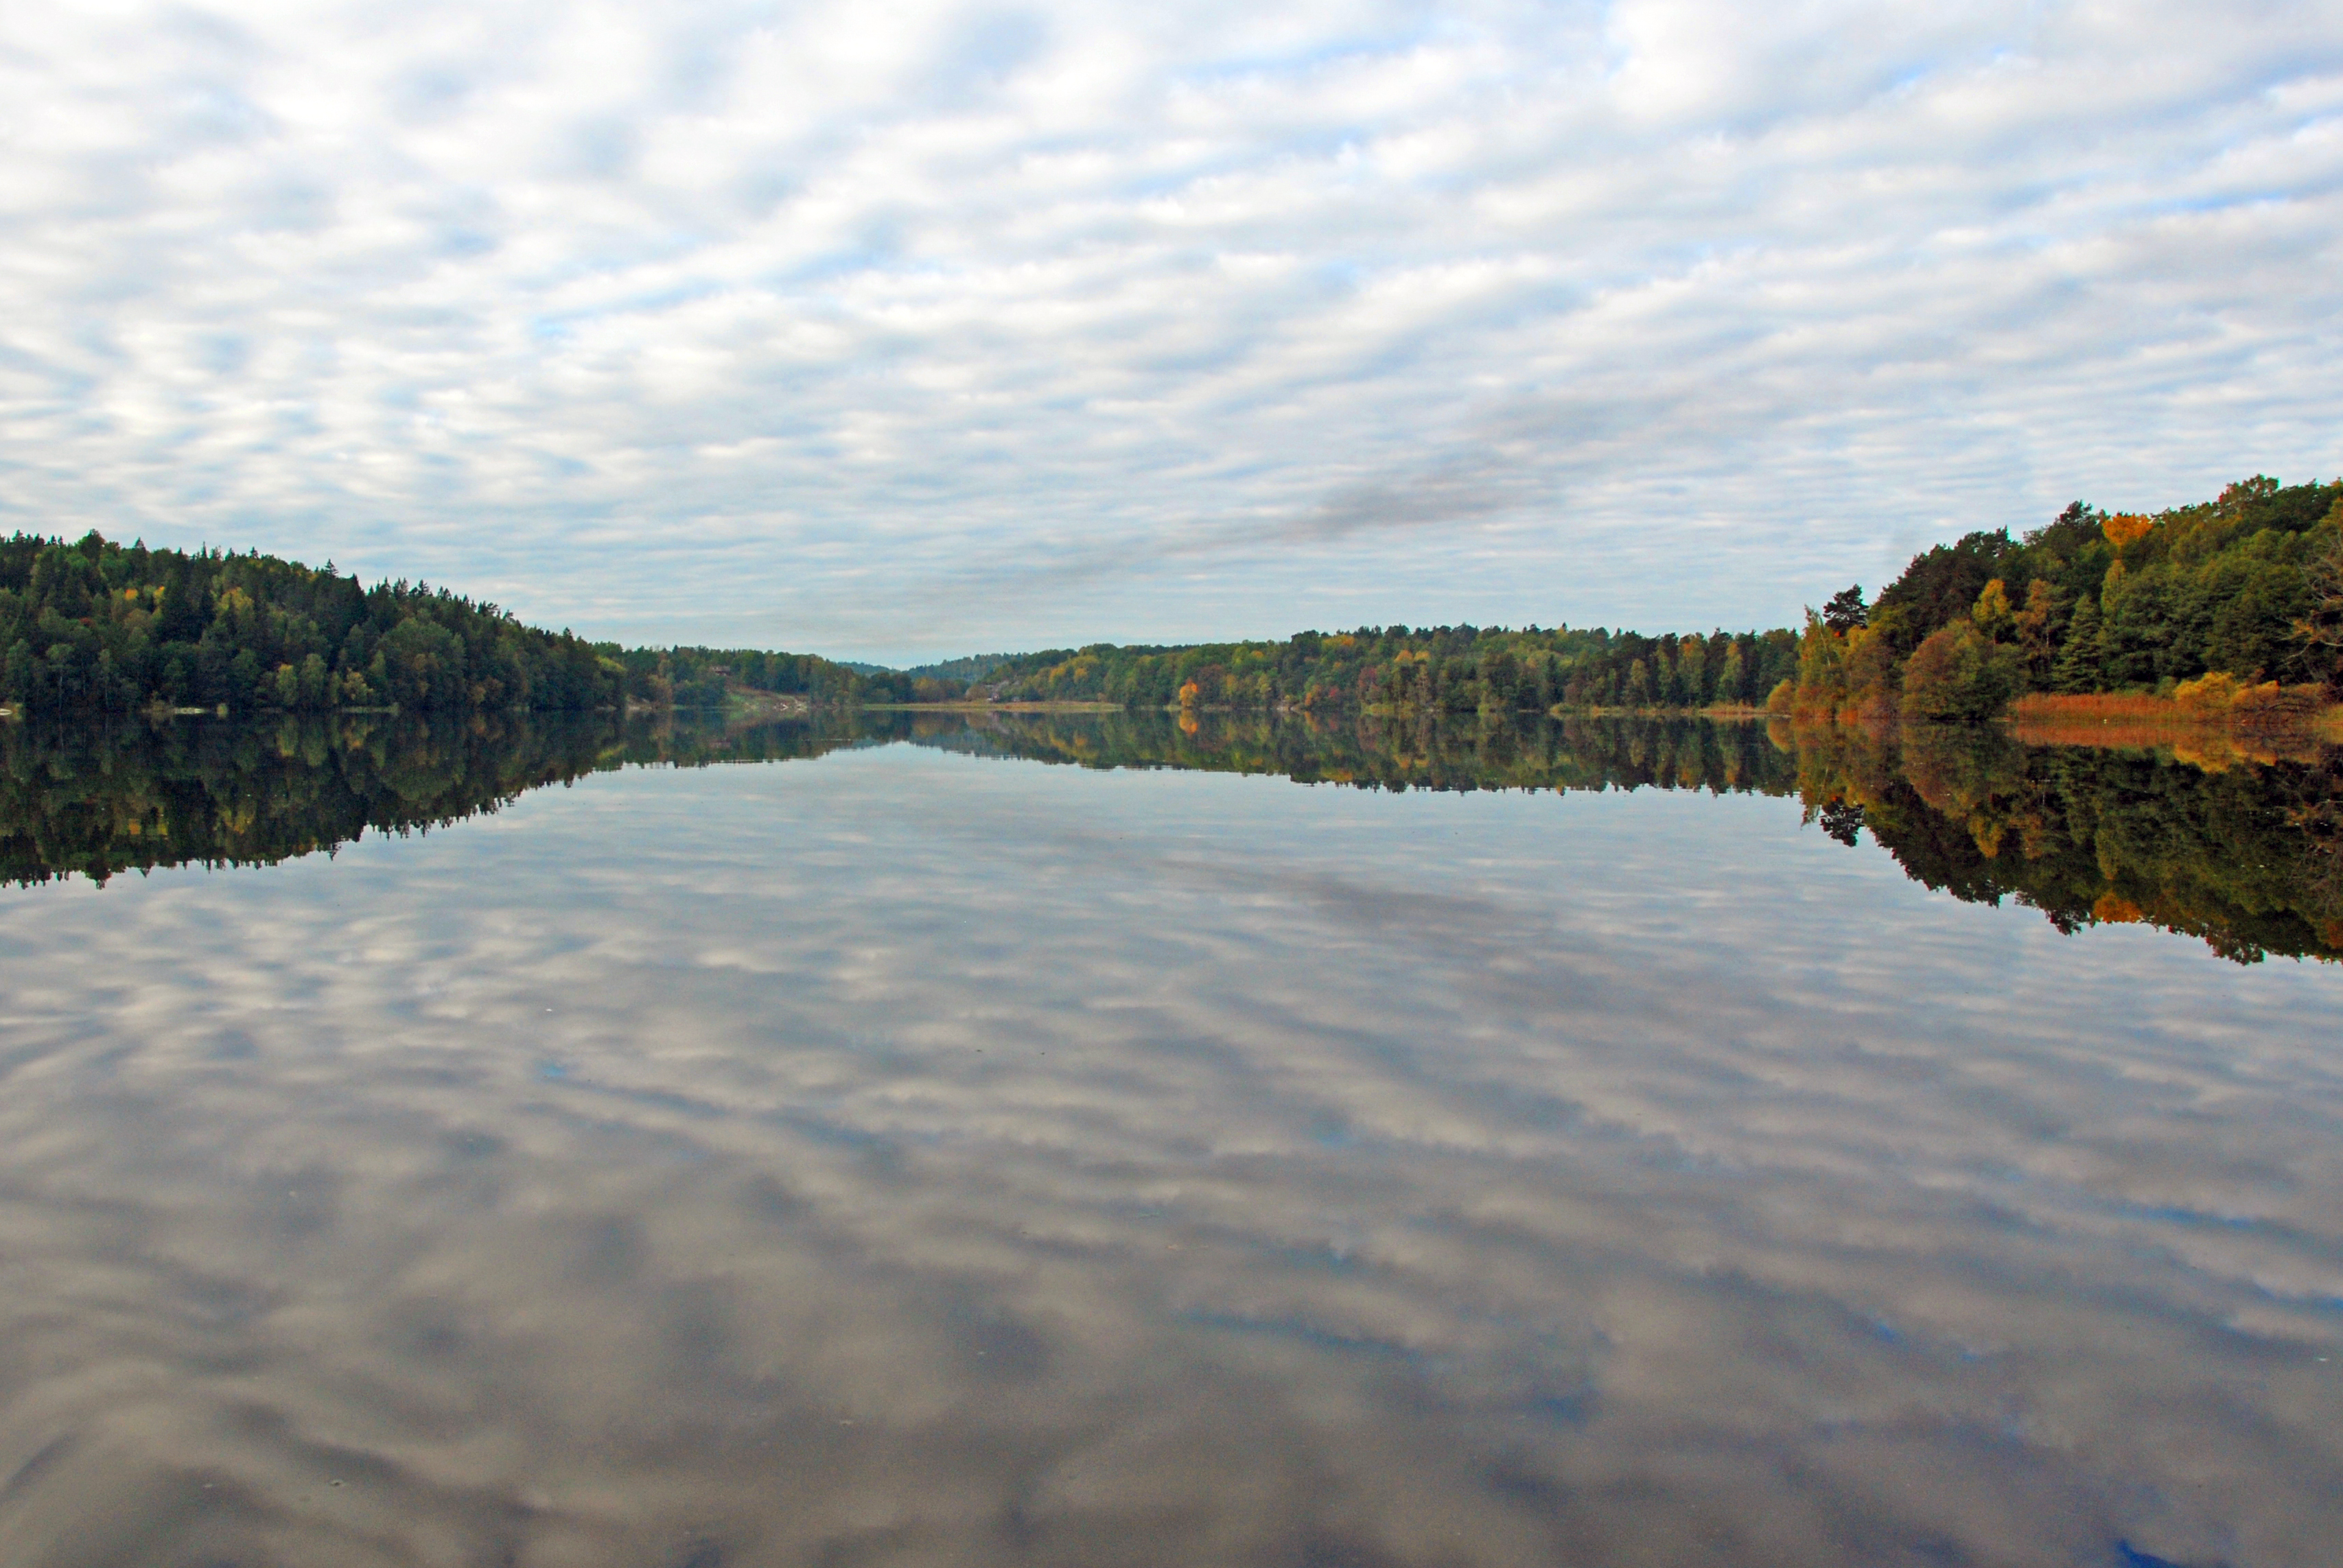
{"x":925,"y":328}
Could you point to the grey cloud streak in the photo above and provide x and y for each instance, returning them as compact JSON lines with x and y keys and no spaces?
{"x":720,"y":321}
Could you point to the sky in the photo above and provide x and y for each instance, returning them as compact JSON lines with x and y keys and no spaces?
{"x":896,"y":331}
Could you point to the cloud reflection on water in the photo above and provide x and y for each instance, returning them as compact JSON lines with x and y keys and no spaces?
{"x":906,"y":1157}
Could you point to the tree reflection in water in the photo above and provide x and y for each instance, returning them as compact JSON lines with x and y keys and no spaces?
{"x":2242,"y":847}
{"x":911,"y":1158}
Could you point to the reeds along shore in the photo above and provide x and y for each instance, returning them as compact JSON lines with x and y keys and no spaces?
{"x":2218,"y":724}
{"x":2215,"y":700}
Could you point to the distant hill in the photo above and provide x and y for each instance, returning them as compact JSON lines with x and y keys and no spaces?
{"x":98,"y":626}
{"x":969,"y":668}
{"x":1450,"y":668}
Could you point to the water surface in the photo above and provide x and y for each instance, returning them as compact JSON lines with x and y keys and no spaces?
{"x":919,"y":1152}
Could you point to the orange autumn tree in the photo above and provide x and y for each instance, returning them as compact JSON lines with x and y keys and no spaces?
{"x":2126,"y":528}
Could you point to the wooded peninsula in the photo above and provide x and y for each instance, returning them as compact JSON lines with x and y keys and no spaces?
{"x":2230,"y":609}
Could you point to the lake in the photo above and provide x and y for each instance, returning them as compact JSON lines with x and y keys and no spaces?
{"x":1127,"y":1140}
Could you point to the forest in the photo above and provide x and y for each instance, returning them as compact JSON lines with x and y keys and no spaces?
{"x":2233,"y":607}
{"x":95,"y":624}
{"x":99,"y":626}
{"x":707,"y":677}
{"x":1445,"y":669}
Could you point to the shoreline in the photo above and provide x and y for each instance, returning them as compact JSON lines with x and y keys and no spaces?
{"x":991,"y":708}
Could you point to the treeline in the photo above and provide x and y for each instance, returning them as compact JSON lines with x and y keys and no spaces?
{"x":2235,"y":600}
{"x":2235,"y":604}
{"x":966,"y":669}
{"x":1440,"y":669}
{"x":96,"y":624}
{"x":706,"y":677}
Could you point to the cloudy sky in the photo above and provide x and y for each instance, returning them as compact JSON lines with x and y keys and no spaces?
{"x":905,"y":329}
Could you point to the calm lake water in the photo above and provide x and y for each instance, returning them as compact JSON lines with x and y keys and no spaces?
{"x":898,"y":1149}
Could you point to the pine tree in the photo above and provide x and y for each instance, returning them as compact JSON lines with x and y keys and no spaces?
{"x":1847,"y":610}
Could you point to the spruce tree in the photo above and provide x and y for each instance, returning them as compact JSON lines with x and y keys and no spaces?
{"x":2077,"y":669}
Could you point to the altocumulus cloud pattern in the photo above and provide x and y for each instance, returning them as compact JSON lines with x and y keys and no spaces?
{"x":910,"y":328}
